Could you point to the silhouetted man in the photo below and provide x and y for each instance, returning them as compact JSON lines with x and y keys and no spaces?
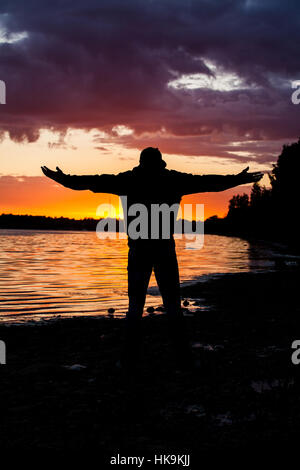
{"x":151,"y":183}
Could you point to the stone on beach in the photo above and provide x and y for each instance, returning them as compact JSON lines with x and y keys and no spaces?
{"x":160,"y":308}
{"x":150,"y":309}
{"x":75,"y":367}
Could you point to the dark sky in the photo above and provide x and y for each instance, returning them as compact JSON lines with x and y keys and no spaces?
{"x":199,"y":75}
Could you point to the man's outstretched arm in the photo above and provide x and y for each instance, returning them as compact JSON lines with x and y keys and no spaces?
{"x":212,"y":183}
{"x":95,"y":183}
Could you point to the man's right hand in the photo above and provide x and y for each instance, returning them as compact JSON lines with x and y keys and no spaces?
{"x":57,"y":175}
{"x":245,"y":177}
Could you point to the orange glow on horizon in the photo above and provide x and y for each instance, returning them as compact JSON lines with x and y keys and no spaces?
{"x":39,"y":196}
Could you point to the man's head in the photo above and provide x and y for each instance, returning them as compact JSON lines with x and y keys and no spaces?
{"x":151,"y":159}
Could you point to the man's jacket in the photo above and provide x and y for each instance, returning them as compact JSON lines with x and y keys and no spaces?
{"x":144,"y":187}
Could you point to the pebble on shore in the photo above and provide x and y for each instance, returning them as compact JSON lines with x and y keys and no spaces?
{"x":150,"y":309}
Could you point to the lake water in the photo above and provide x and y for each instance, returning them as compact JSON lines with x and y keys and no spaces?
{"x":45,"y":274}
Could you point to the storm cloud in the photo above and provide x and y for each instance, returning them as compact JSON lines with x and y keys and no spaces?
{"x":196,"y":77}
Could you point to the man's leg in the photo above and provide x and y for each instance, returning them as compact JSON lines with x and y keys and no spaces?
{"x":167,"y":276}
{"x":139,"y":272}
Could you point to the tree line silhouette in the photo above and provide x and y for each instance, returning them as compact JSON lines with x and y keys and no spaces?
{"x":40,"y":222}
{"x":268,"y":212}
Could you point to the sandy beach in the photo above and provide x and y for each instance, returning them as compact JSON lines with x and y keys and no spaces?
{"x":61,"y":388}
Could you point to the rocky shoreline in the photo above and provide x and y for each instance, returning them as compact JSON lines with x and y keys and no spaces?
{"x":61,"y":388}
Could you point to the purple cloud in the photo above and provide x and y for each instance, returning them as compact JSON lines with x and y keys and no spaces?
{"x":90,"y":64}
